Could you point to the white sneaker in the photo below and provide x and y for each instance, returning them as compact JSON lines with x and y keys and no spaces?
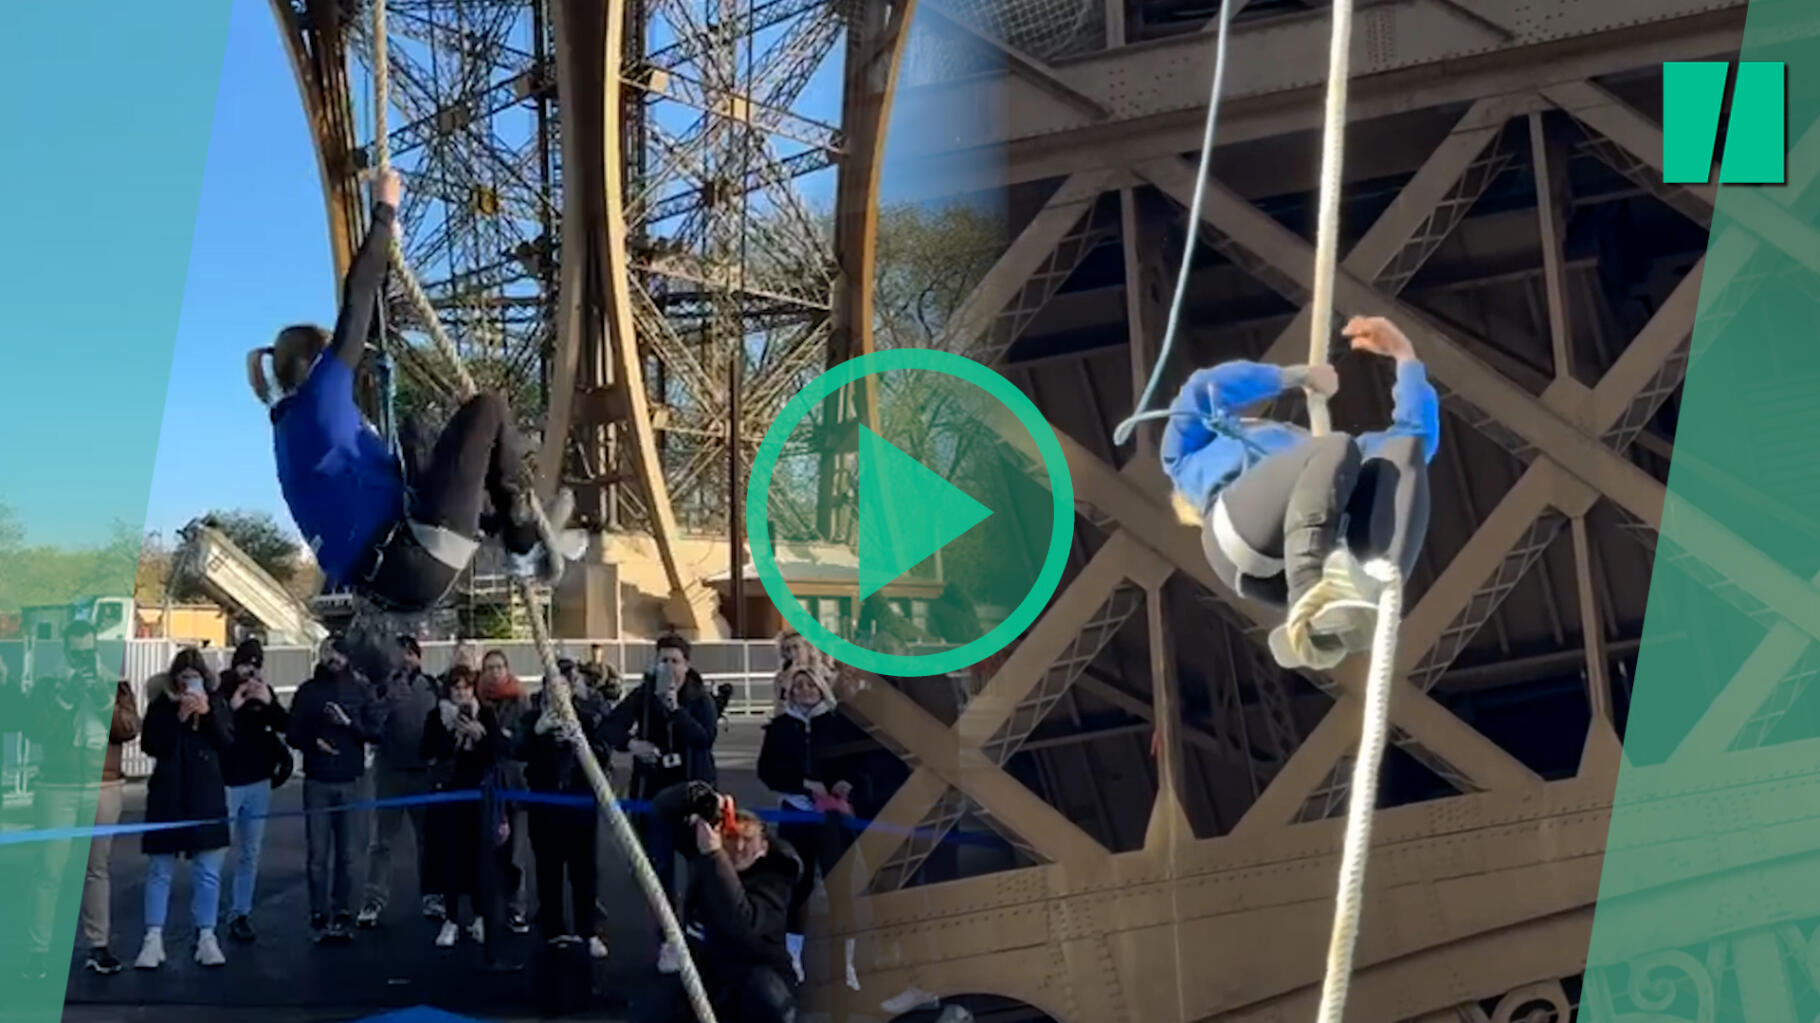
{"x":597,"y":949}
{"x":448,"y":935}
{"x":151,"y":954}
{"x":208,"y":950}
{"x":478,"y":930}
{"x":852,"y":972}
{"x":669,"y":958}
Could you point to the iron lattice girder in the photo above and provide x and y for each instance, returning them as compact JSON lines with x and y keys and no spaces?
{"x":1022,"y":719}
{"x":1420,"y":54}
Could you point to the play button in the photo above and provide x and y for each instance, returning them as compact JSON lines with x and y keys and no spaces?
{"x":906,"y":513}
{"x":909,"y":512}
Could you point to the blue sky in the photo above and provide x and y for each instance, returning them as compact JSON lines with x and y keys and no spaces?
{"x":108,"y":126}
{"x":259,"y":259}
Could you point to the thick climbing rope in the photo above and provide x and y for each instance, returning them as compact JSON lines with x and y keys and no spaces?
{"x":559,"y":695}
{"x":1327,"y":226}
{"x":1375,"y":722}
{"x":1362,"y":797}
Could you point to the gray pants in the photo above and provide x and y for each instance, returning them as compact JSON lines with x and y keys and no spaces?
{"x":67,"y":806}
{"x":388,"y":824}
{"x":330,"y":832}
{"x":1269,"y":531}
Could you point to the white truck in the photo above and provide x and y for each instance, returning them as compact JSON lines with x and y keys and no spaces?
{"x":235,"y":581}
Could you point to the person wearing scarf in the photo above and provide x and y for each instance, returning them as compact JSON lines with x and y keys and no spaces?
{"x":501,"y":692}
{"x":798,"y":760}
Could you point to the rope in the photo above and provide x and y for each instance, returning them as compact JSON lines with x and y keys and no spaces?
{"x":1204,"y":170}
{"x":1362,"y":799}
{"x":1327,"y":229}
{"x":560,"y":695}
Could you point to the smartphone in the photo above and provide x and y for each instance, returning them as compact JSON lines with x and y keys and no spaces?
{"x":466,"y":713}
{"x":193,"y":685}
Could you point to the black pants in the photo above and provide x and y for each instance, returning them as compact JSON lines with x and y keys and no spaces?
{"x":659,"y":840}
{"x":563,"y":840}
{"x":470,"y":485}
{"x":1292,"y":506}
{"x":819,"y":843}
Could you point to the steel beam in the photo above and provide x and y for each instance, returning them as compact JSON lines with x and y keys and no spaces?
{"x":1003,"y":130}
{"x":1469,"y":897}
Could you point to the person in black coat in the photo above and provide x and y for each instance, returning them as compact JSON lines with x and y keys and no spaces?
{"x":798,"y":760}
{"x":333,"y":717}
{"x":735,"y":912}
{"x":465,"y":745}
{"x":564,"y":838}
{"x":668,"y":724}
{"x":187,"y":726}
{"x":257,"y":762}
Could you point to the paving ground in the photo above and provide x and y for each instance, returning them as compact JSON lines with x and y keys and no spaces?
{"x":284,"y":978}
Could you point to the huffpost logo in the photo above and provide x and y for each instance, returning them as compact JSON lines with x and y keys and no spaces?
{"x":1756,"y":134}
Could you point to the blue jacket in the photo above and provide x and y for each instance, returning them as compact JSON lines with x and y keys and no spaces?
{"x":1203,"y":460}
{"x":337,"y":473}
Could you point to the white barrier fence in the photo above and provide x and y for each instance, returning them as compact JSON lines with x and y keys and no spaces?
{"x":750,"y":666}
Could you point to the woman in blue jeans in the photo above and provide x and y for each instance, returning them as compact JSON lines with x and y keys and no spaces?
{"x":252,"y":766}
{"x":187,"y":725}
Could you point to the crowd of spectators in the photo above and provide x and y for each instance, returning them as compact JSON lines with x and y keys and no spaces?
{"x":368,"y":752}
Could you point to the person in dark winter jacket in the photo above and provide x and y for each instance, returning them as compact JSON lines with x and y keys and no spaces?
{"x":796,"y":761}
{"x":464,"y":744}
{"x":501,"y":691}
{"x":333,"y":716}
{"x":669,"y":725}
{"x":249,"y":766}
{"x":399,"y":772}
{"x":80,"y":721}
{"x":734,"y":914}
{"x":187,"y":726}
{"x":563,"y":838}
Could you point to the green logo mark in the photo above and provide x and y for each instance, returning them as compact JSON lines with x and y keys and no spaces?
{"x":952,"y":528}
{"x":1756,"y":137}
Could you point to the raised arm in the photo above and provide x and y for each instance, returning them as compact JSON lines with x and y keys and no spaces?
{"x":360,"y":291}
{"x":1218,"y":392}
{"x":1416,"y":408}
{"x":306,"y":714}
{"x":697,"y":722}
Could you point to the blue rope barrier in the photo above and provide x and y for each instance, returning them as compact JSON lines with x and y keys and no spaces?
{"x":519,"y":796}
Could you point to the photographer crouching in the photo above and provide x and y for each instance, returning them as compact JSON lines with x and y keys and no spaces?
{"x":734,"y":911}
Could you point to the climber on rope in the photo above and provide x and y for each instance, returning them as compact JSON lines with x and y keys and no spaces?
{"x":1288,"y":519}
{"x":401,"y":544}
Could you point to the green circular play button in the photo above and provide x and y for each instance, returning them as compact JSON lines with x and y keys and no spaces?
{"x":922,"y":538}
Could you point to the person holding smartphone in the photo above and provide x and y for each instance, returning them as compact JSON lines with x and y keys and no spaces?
{"x":333,"y":716}
{"x":256,"y":763}
{"x":81,"y":722}
{"x":188,"y":725}
{"x":668,"y":724}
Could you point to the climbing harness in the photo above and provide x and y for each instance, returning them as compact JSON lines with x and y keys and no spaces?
{"x":1375,"y":724}
{"x":561,"y":695}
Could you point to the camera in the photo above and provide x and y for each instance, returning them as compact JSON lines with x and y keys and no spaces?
{"x":680,"y":805}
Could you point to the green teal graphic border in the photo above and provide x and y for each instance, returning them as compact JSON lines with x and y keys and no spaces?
{"x":107,"y":126}
{"x":1709,"y":896}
